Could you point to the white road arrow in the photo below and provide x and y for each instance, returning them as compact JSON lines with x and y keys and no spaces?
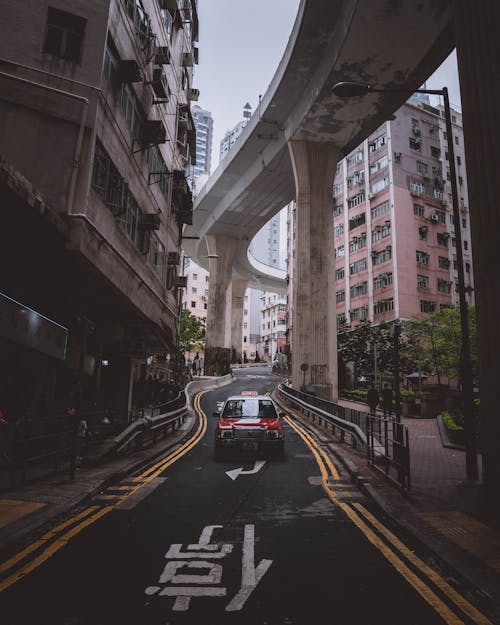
{"x":239,"y":471}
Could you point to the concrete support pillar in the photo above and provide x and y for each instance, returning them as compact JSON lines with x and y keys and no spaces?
{"x":314,"y":320}
{"x":221,"y":252}
{"x":478,"y":51}
{"x":238,"y":303}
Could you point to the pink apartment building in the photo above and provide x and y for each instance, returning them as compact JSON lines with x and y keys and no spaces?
{"x":394,"y":241}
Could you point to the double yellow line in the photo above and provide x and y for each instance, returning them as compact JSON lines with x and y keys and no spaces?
{"x":390,"y":546}
{"x":53,"y":540}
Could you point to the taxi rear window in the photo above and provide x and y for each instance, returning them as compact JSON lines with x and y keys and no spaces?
{"x":249,"y":407}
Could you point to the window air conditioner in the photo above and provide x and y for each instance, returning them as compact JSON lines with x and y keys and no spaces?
{"x":160,"y":84}
{"x":194,"y":94}
{"x":128,"y":71}
{"x":162,"y":55}
{"x":149,"y":221}
{"x":181,"y":282}
{"x":371,"y":196}
{"x":173,"y":258}
{"x":153,"y":131}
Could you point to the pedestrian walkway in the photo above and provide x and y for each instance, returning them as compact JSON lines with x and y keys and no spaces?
{"x":443,"y":511}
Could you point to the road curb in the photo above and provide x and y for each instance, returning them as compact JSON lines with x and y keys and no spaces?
{"x":25,"y":526}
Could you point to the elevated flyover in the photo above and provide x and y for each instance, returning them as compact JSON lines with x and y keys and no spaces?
{"x":289,"y":150}
{"x":381,"y":42}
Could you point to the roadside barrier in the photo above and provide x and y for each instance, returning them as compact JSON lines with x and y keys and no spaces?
{"x":386,"y":441}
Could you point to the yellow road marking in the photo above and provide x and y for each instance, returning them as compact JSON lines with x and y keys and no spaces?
{"x":418,"y":584}
{"x":5,"y":566}
{"x":52,"y":549}
{"x":306,"y":435}
{"x":60,"y":542}
{"x":460,"y":601}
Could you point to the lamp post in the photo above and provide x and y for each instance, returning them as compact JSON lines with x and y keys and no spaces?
{"x":353,"y":89}
{"x":397,"y":387}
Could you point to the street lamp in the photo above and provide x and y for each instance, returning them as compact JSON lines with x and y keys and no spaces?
{"x":353,"y":89}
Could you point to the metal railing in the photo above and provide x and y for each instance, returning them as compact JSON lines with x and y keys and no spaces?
{"x":153,"y":421}
{"x":327,"y":413}
{"x":386,"y":441}
{"x":388,"y":449}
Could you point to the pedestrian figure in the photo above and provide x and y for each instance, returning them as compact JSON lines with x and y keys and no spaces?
{"x":195,"y":363}
{"x":372,"y":399}
{"x":199,"y":366}
{"x":387,"y":400}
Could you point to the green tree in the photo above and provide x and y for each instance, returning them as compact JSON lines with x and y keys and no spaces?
{"x":192,"y":332}
{"x":439,"y":337}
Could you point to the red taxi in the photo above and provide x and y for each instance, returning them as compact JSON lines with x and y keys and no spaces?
{"x":249,"y":422}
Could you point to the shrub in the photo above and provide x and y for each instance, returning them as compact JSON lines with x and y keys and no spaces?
{"x":452,"y":421}
{"x":357,"y":394}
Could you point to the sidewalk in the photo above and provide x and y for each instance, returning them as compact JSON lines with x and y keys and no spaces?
{"x":25,"y":509}
{"x":442,"y":511}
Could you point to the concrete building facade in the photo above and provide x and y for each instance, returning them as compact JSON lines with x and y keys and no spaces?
{"x":95,"y":135}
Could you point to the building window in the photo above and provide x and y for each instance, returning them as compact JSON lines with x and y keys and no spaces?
{"x":359,"y":314}
{"x":357,"y":243}
{"x":193,"y":289}
{"x":382,"y":280}
{"x":443,"y":286}
{"x":195,"y":277}
{"x":340,"y":251}
{"x":427,"y":307}
{"x":338,"y":209}
{"x":379,"y":164}
{"x":443,"y":263}
{"x":340,"y":296}
{"x":383,"y":305}
{"x":376,"y":144}
{"x":422,"y":282}
{"x":338,"y":189}
{"x":378,"y":185}
{"x":357,"y":266}
{"x":357,"y":199}
{"x":381,"y":209}
{"x":415,"y":144}
{"x":421,"y":167}
{"x":156,"y":256}
{"x":380,"y":257}
{"x":442,"y":238}
{"x":64,"y":35}
{"x":422,"y":258}
{"x":357,"y":220}
{"x":422,"y":233}
{"x":339,"y":230}
{"x":435,"y":152}
{"x":193,"y":304}
{"x":339,"y":273}
{"x":361,"y":288}
{"x":354,"y":158}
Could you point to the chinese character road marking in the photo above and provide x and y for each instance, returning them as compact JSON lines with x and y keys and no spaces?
{"x":212,"y":572}
{"x":250,"y":574}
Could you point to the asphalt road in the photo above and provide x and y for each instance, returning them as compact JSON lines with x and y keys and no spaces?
{"x":286,"y":542}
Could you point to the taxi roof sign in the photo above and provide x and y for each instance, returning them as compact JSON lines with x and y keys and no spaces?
{"x":249,"y":393}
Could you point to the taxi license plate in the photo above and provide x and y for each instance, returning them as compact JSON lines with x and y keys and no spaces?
{"x":249,"y":445}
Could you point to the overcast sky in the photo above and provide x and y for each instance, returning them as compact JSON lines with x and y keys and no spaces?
{"x":241,"y":45}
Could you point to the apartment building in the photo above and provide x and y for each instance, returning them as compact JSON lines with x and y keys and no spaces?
{"x":393,"y":222}
{"x":96,"y":134}
{"x":273,"y":325}
{"x":232,"y":135}
{"x":204,"y":125}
